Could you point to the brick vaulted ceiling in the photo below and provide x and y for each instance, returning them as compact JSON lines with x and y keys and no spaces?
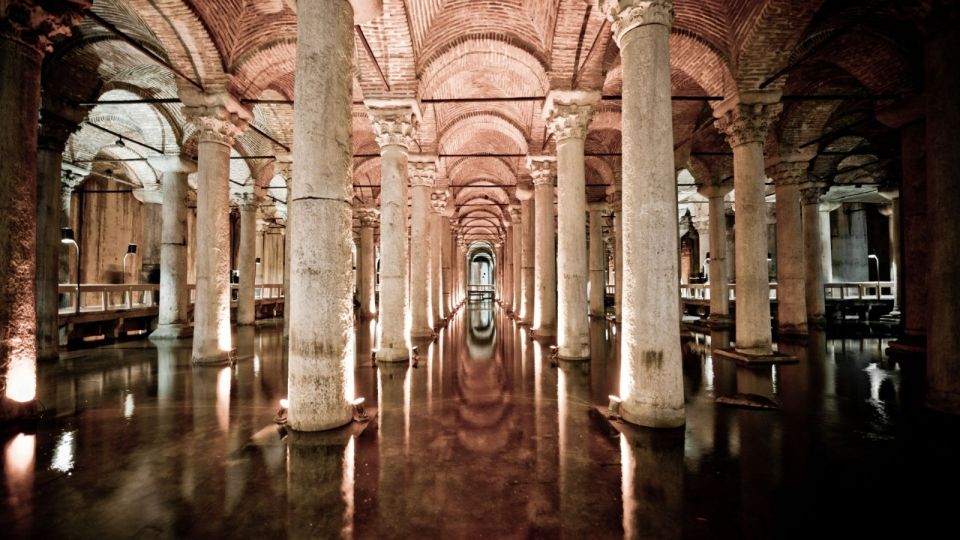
{"x":443,"y":50}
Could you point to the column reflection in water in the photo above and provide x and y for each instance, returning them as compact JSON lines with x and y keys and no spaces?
{"x":320,"y":484}
{"x":484,"y":409}
{"x":759,"y":447}
{"x":652,"y":463}
{"x":573,"y":409}
{"x":19,"y":456}
{"x":543,"y":502}
{"x":393,"y":442}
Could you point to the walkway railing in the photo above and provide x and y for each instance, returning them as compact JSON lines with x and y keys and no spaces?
{"x":701,"y":291}
{"x":101,"y":297}
{"x":848,"y":291}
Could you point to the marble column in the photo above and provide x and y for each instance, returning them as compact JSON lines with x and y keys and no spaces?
{"x":517,"y":227}
{"x":220,"y":119}
{"x":320,"y":380}
{"x":542,"y":170}
{"x":423,"y":172}
{"x":525,"y":195}
{"x":892,"y":211}
{"x":814,"y":277}
{"x":941,"y":55}
{"x":26,"y":29}
{"x":446,"y":274}
{"x":719,"y":297}
{"x":568,"y":116}
{"x":598,"y":260}
{"x":744,"y":119}
{"x":651,"y":377}
{"x":247,"y":263}
{"x":173,"y":319}
{"x":826,"y":244}
{"x":791,"y":271}
{"x":438,"y":202}
{"x":367,"y":262}
{"x":394,"y":124}
{"x":616,"y":202}
{"x":53,"y":135}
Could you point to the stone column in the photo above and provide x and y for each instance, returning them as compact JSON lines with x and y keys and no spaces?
{"x":247,"y":263}
{"x":616,"y":202}
{"x":53,"y":135}
{"x":568,"y":118}
{"x":446,"y":259}
{"x":507,"y":267}
{"x":941,"y":55}
{"x":394,"y":124}
{"x":367,"y":262}
{"x":517,"y":226}
{"x":423,"y":172}
{"x":791,"y":283}
{"x":744,"y":119}
{"x":438,"y":201}
{"x":320,"y":306}
{"x":812,"y":257}
{"x":542,"y":170}
{"x":719,"y":298}
{"x":173,"y":318}
{"x":651,"y":378}
{"x":598,"y":260}
{"x":26,"y":29}
{"x":525,"y":196}
{"x":219,"y":119}
{"x":892,"y":211}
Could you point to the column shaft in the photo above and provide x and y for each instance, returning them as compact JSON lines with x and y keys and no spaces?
{"x":393,"y":254}
{"x":367,"y":268}
{"x":618,"y":261}
{"x":436,"y":265}
{"x":545,"y":262}
{"x":813,"y":273}
{"x":173,"y":318}
{"x":791,"y":282}
{"x":598,"y":261}
{"x":527,"y":254}
{"x":422,"y":174}
{"x":826,"y":247}
{"x":446,"y":275}
{"x":321,"y":344}
{"x":247,"y":265}
{"x":719,"y":296}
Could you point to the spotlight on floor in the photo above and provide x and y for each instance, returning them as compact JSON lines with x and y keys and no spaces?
{"x":359,"y":413}
{"x":613,"y":408}
{"x":281,"y":418}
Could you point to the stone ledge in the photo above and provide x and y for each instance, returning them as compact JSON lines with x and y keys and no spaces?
{"x":755,"y":359}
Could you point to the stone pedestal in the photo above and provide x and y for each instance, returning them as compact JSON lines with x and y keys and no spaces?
{"x":394,"y":123}
{"x":542,"y":170}
{"x":568,"y":118}
{"x":247,"y":263}
{"x":719,"y":296}
{"x":173,"y":318}
{"x":812,"y":257}
{"x":598,"y":260}
{"x":791,"y":283}
{"x":423,"y":172}
{"x":367,"y":263}
{"x":745,"y":119}
{"x":651,"y":377}
{"x":219,"y":119}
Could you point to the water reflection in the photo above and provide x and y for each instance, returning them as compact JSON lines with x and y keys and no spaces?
{"x":652,"y":483}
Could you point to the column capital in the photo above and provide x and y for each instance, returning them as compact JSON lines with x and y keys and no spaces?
{"x":368,"y":216}
{"x":56,"y":126}
{"x":149,"y":194}
{"x":712,"y":189}
{"x":218,"y":116}
{"x":439,"y":199}
{"x":889,"y":193}
{"x":625,"y":15}
{"x":422,"y":169}
{"x":810,"y":192}
{"x":543,"y":170}
{"x":173,"y":164}
{"x":245,"y":201}
{"x":746,"y":117}
{"x":786,"y":173}
{"x":515,"y":215}
{"x":34,"y":23}
{"x":598,"y":206}
{"x":568,"y":112}
{"x":524,"y":190}
{"x":395,"y":121}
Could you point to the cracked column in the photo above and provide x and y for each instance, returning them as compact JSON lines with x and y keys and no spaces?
{"x":219,"y":119}
{"x":55,"y":129}
{"x":542,"y":170}
{"x":423,"y":173}
{"x":247,"y":262}
{"x":438,"y":202}
{"x":320,"y":306}
{"x":173,"y":320}
{"x":367,"y":262}
{"x":598,"y":259}
{"x":810,"y":193}
{"x":26,"y":29}
{"x":651,"y":379}
{"x":568,"y":116}
{"x":719,"y":298}
{"x":744,"y":119}
{"x":792,"y":311}
{"x":394,"y":124}
{"x":525,"y":195}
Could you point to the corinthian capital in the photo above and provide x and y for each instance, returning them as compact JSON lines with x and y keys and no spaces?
{"x":35,"y":23}
{"x":746,"y":117}
{"x":369,"y":217}
{"x":811,"y":192}
{"x":625,"y":15}
{"x":568,"y":113}
{"x":543,"y":170}
{"x":422,"y":170}
{"x":789,"y":172}
{"x":218,"y":116}
{"x":439,"y":200}
{"x":395,"y":121}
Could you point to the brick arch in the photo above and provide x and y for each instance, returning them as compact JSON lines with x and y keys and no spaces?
{"x":263,"y":66}
{"x":468,"y":170}
{"x":487,"y":63}
{"x":598,"y":169}
{"x":483,"y":128}
{"x":766,"y":38}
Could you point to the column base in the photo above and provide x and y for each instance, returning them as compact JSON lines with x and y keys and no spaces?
{"x":220,"y":358}
{"x":943,"y":401}
{"x":19,"y":412}
{"x":423,"y":335}
{"x":908,"y":346}
{"x":652,"y":416}
{"x":719,"y":322}
{"x":792,"y":330}
{"x":544,"y":331}
{"x":392,"y":354}
{"x":171,"y":331}
{"x":817,"y":322}
{"x":572,"y":356}
{"x":755,"y":358}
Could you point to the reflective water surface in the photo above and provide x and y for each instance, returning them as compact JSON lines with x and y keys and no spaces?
{"x":482,"y":438}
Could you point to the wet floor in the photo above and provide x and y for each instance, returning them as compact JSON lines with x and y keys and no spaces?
{"x":483,"y":438}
